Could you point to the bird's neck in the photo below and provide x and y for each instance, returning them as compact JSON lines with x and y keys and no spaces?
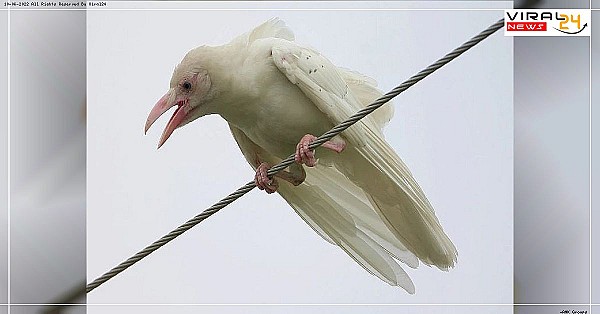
{"x":237,"y":110}
{"x":237,"y":94}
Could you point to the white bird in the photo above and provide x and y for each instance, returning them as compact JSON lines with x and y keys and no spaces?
{"x":276,"y":95}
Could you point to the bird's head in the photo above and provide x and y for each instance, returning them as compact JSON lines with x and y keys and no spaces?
{"x":190,"y":91}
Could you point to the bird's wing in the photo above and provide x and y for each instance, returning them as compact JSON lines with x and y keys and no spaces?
{"x":321,"y":82}
{"x":365,"y":91}
{"x":369,"y":161}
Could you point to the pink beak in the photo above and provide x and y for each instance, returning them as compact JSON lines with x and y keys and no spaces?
{"x":164,"y":104}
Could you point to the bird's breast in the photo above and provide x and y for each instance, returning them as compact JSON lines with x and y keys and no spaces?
{"x":278,"y":116}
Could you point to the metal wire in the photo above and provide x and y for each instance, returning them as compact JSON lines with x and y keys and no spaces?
{"x":288,"y":161}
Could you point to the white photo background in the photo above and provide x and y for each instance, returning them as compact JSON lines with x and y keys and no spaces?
{"x":453,"y":129}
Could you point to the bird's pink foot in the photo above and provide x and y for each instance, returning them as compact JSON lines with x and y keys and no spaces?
{"x":262,"y":180}
{"x":306,"y":156}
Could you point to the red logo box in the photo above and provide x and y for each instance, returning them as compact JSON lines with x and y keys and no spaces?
{"x":526,"y":26}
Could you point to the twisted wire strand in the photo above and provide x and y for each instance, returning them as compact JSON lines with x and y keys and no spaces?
{"x":289,"y":160}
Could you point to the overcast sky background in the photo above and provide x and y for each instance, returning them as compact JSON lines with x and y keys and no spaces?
{"x":454,"y":130}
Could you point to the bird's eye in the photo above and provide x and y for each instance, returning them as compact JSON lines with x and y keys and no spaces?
{"x":187,"y":85}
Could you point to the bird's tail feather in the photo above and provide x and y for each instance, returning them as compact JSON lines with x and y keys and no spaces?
{"x":327,"y":202}
{"x":329,"y":183}
{"x":399,"y":201}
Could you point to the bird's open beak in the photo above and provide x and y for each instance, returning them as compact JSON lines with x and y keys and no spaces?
{"x":165,"y":103}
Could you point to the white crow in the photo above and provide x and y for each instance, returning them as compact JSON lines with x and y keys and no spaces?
{"x":276,"y":95}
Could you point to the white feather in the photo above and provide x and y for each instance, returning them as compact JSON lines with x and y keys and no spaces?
{"x":272,"y":91}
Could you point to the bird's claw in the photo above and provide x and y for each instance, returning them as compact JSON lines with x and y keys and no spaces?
{"x":263,"y":181}
{"x":304,"y":155}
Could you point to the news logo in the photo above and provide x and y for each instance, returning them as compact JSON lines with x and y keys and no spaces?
{"x":547,"y":22}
